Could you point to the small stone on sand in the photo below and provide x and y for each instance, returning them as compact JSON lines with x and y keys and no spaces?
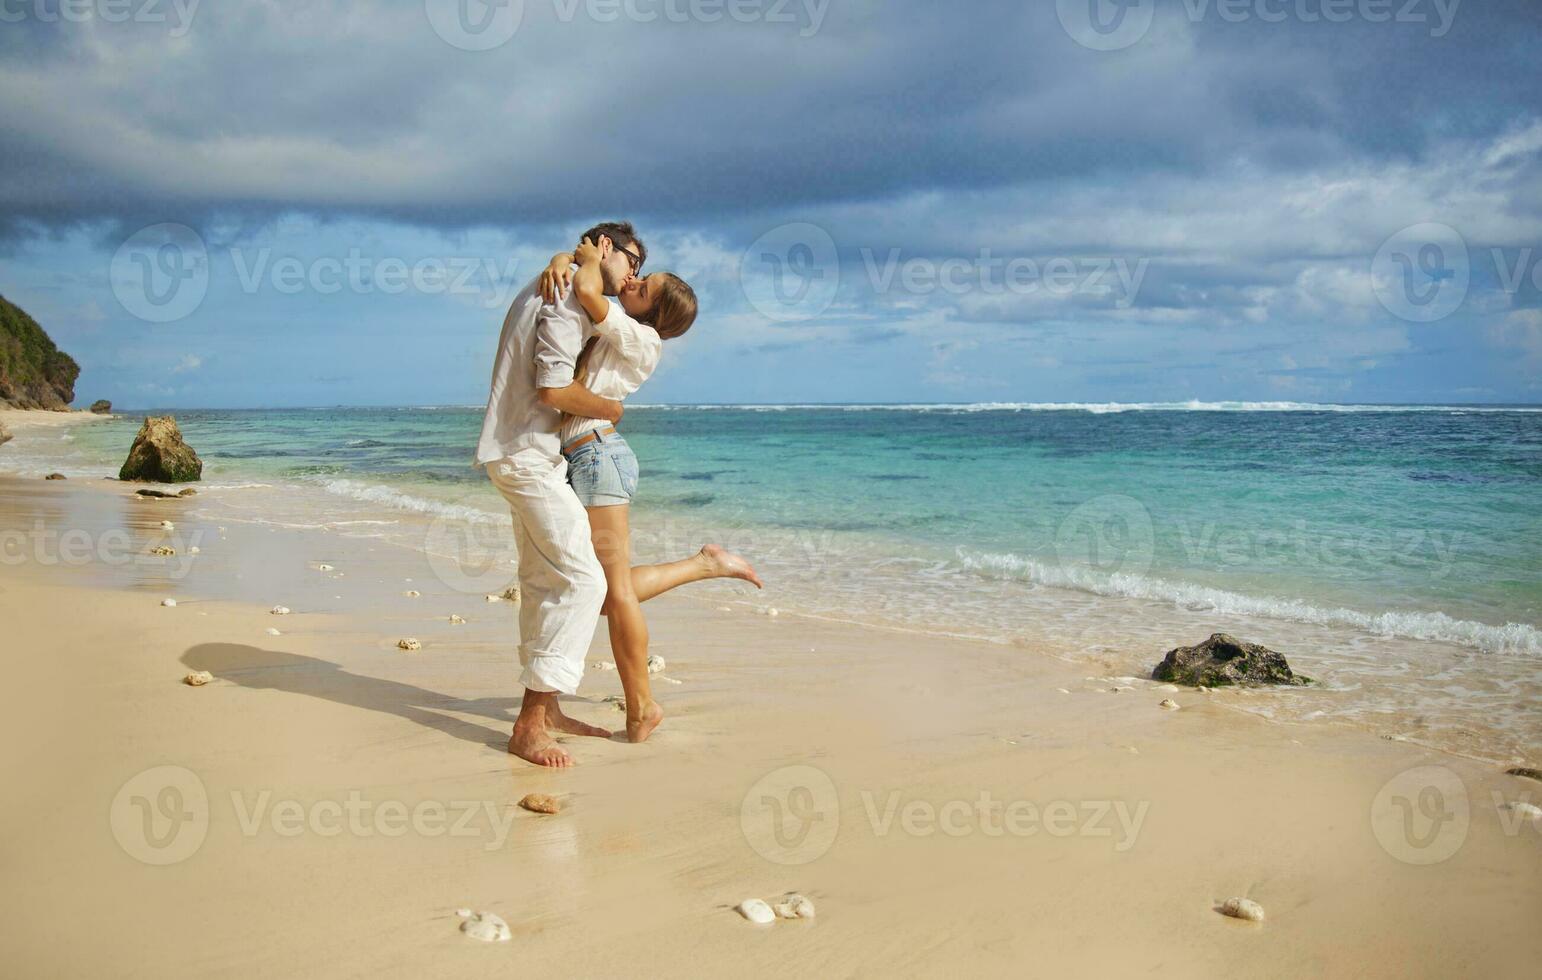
{"x":487,"y":927}
{"x":1169,"y":704}
{"x":541,"y":803}
{"x":757,"y":911}
{"x":412,"y":593}
{"x":463,"y":913}
{"x":1528,"y":810}
{"x":198,"y":678}
{"x":169,"y":603}
{"x":773,"y":612}
{"x":279,"y":611}
{"x":510,"y":594}
{"x":163,"y":551}
{"x":409,"y":644}
{"x":1243,"y":908}
{"x":794,"y":906}
{"x":456,"y":620}
{"x":272,"y":632}
{"x":168,"y":526}
{"x":195,"y":550}
{"x":1525,"y":772}
{"x":323,"y":568}
{"x":493,"y":598}
{"x":655,"y":664}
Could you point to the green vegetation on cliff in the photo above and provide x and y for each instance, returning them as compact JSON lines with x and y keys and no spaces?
{"x":33,"y":372}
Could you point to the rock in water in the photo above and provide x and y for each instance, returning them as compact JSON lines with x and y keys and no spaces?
{"x":794,"y":906}
{"x":198,"y":678}
{"x":655,"y":664}
{"x":541,"y":803}
{"x":1243,"y":908}
{"x":101,"y":407}
{"x":54,"y":476}
{"x":160,"y":456}
{"x":1525,"y":772}
{"x":485,"y":926}
{"x":1223,"y":660}
{"x":757,"y":911}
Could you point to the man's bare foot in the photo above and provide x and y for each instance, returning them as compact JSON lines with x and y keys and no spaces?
{"x":534,"y":744}
{"x":638,"y":729}
{"x":556,"y":721}
{"x":726,"y":564}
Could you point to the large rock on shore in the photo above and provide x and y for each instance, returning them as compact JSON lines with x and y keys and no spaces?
{"x":160,"y":456}
{"x":1222,"y":660}
{"x":101,"y":407}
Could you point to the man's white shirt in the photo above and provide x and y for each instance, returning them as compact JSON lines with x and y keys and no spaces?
{"x":538,"y":348}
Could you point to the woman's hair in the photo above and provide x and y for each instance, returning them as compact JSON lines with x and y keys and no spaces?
{"x":674,"y":307}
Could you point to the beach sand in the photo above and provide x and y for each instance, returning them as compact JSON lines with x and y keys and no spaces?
{"x":326,"y":804}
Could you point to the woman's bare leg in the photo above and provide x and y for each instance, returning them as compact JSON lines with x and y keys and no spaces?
{"x":611,"y":533}
{"x":710,"y":562}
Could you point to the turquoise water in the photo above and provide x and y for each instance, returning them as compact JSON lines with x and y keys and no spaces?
{"x":1391,"y":552}
{"x":1395,"y":520}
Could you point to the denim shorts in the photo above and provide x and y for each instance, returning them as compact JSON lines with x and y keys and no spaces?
{"x":603,"y":472}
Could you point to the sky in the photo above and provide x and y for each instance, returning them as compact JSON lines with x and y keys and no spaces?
{"x":320,"y":202}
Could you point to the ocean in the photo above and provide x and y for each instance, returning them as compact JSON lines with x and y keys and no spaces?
{"x":1394,"y":553}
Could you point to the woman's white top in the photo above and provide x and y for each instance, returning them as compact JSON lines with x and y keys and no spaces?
{"x":624,"y":357}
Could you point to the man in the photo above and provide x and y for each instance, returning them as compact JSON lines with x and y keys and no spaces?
{"x":562,"y":585}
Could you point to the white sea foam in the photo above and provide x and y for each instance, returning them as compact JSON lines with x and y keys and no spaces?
{"x":1436,"y":626}
{"x":1109,"y":408}
{"x":396,"y":500}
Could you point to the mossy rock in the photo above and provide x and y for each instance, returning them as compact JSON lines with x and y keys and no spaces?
{"x":1224,"y":660}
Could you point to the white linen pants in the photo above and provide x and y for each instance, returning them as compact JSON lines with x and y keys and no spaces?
{"x":561,"y":583}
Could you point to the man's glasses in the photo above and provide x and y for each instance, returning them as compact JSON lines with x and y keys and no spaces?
{"x":632,"y":257}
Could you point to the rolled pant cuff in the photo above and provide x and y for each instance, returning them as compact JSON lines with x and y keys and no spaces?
{"x":551,"y":673}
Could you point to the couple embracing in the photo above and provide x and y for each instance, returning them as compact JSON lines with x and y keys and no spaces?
{"x":576,"y":342}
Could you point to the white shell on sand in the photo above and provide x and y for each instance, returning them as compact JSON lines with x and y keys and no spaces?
{"x":195,"y":550}
{"x":168,"y":526}
{"x":169,"y":603}
{"x":323,"y":568}
{"x":655,"y":664}
{"x":757,"y":911}
{"x":409,"y":644}
{"x":1527,"y":810}
{"x":279,"y":610}
{"x":794,"y":906}
{"x":412,"y":593}
{"x":198,"y":678}
{"x":456,"y":620}
{"x":773,"y":612}
{"x":272,"y":632}
{"x":1243,"y":908}
{"x":493,"y":598}
{"x":1169,"y":704}
{"x":487,"y":927}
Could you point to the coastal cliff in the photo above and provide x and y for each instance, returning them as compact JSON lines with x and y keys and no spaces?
{"x":33,"y":372}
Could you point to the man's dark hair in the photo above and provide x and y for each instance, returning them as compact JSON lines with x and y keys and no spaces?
{"x":620,"y":233}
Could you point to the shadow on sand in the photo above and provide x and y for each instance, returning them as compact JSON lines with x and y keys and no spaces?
{"x":273,"y":670}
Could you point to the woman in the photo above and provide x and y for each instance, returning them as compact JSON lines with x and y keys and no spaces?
{"x":602,"y":468}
